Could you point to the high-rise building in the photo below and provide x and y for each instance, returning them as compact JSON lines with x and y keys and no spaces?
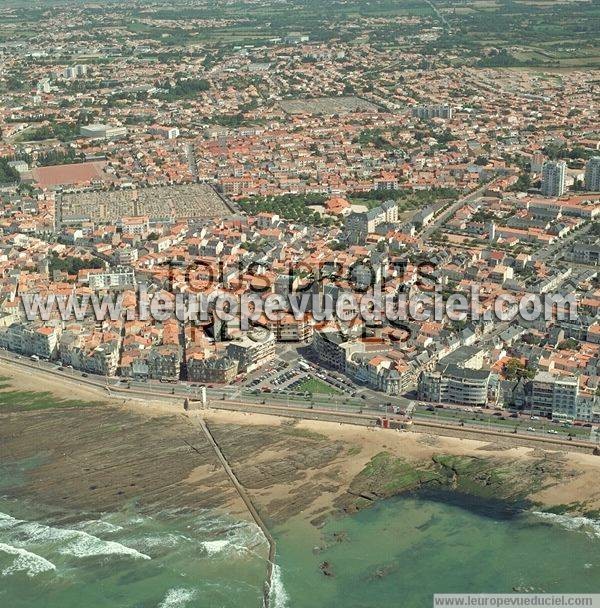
{"x":553,"y":178}
{"x":359,"y":225}
{"x":537,"y":162}
{"x":433,"y":111}
{"x":592,"y":174}
{"x":43,"y":86}
{"x":72,"y":72}
{"x":453,"y":384}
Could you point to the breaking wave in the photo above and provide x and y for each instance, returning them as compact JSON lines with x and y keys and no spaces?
{"x":239,"y":539}
{"x":213,"y":547}
{"x":71,"y":542}
{"x":177,"y":598}
{"x":278,"y":597}
{"x":86,"y":545}
{"x":25,"y":561}
{"x":98,"y":526}
{"x":6,"y":521}
{"x":161,"y":541}
{"x":591,"y":527}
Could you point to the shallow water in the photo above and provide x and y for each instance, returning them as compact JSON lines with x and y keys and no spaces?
{"x":397,"y":553}
{"x":402,"y":551}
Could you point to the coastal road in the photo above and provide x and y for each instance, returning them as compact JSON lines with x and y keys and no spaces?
{"x":371,"y":405}
{"x":477,"y":431}
{"x":321,"y":410}
{"x":115,"y":385}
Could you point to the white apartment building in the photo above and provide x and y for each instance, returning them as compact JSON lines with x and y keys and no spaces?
{"x":553,"y":178}
{"x":592,"y":174}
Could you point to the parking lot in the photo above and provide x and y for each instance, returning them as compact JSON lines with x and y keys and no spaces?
{"x":299,"y":376}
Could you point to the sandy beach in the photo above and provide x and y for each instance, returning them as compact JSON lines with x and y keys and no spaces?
{"x":119,"y":450}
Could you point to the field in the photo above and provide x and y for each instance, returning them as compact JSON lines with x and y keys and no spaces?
{"x":316,"y":387}
{"x":551,"y":34}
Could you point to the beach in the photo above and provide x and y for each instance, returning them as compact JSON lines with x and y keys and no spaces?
{"x":106,"y":454}
{"x":125,"y":502}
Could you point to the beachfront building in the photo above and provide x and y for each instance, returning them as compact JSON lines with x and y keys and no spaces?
{"x":217,"y":370}
{"x":252,"y":350}
{"x":330,"y":346}
{"x":38,"y":339}
{"x":164,"y":362}
{"x":557,"y":396}
{"x":454,"y":384}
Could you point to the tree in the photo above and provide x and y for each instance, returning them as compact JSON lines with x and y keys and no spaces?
{"x":523,"y":183}
{"x":8,"y":175}
{"x":568,"y":344}
{"x":515,"y":370}
{"x":72,"y":265}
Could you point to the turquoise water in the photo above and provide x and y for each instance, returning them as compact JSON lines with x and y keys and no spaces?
{"x":125,"y":559}
{"x":402,"y":551}
{"x":396,"y":554}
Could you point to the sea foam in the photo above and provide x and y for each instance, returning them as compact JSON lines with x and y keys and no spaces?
{"x":177,"y":598}
{"x":590,"y":526}
{"x":213,"y":547}
{"x":278,"y":597}
{"x":161,"y":541}
{"x":25,"y":561}
{"x":98,"y":526}
{"x":239,"y":539}
{"x":83,"y":544}
{"x":70,"y":542}
{"x":7,"y":521}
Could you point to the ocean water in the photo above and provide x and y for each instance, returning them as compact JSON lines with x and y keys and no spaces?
{"x":397,"y":553}
{"x":122,"y":560}
{"x":402,"y":551}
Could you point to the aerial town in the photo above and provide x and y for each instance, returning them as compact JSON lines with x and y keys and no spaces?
{"x":127,"y":158}
{"x":299,"y":303}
